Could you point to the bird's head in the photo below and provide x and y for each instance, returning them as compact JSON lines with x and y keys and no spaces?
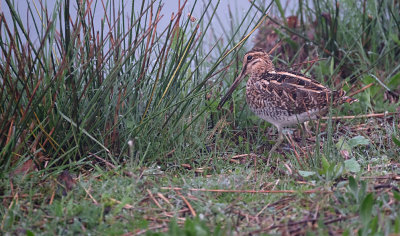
{"x":255,"y":62}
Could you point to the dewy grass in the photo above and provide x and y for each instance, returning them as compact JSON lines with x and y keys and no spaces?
{"x":90,"y":90}
{"x":128,"y":107}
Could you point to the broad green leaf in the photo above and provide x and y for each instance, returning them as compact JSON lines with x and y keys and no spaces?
{"x":372,"y":91}
{"x":366,"y":208}
{"x":325,"y":163}
{"x":343,"y":145}
{"x":396,"y":140}
{"x":303,"y":173}
{"x":346,"y":233}
{"x":338,"y":170}
{"x":29,"y":233}
{"x":358,"y":140}
{"x":394,"y":81}
{"x":353,"y":184}
{"x":373,"y":225}
{"x":352,"y":165}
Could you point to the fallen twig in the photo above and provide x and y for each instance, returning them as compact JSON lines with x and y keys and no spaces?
{"x":154,"y":199}
{"x":90,"y":195}
{"x":103,"y":160}
{"x":294,"y":145}
{"x":165,"y":199}
{"x":246,"y":191}
{"x":24,"y":195}
{"x":360,"y":90}
{"x":112,"y":166}
{"x":393,"y":177}
{"x":126,"y":206}
{"x":240,"y":156}
{"x":187,"y":203}
{"x":340,"y":218}
{"x":143,"y":231}
{"x":361,"y":116}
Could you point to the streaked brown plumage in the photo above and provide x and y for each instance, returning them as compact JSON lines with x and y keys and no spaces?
{"x":282,"y":98}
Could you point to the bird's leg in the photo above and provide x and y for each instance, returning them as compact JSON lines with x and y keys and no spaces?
{"x":306,"y":132}
{"x":278,"y":142}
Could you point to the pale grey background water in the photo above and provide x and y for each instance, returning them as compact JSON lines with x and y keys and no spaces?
{"x":238,"y":8}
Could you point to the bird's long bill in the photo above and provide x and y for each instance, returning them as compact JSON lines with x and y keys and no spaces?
{"x":231,"y":89}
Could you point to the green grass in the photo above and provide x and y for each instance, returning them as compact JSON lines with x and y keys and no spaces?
{"x":119,"y":203}
{"x":98,"y":127}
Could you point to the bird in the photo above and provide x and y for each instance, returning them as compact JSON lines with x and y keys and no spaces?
{"x":282,"y":98}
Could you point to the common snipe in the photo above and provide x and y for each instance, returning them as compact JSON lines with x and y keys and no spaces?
{"x":282,"y":98}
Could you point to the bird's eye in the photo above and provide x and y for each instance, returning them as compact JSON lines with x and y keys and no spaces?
{"x":249,"y":58}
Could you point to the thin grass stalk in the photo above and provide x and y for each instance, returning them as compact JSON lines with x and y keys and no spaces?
{"x":219,"y":61}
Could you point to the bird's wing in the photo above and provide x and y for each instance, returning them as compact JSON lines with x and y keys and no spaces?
{"x":294,"y":92}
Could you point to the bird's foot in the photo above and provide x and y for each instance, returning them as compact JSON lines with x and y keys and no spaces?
{"x":287,"y":131}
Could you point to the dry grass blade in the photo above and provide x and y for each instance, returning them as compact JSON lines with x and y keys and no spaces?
{"x":361,"y":90}
{"x":247,"y":191}
{"x":126,"y":206}
{"x":295,"y":146}
{"x":160,"y":195}
{"x":192,"y":211}
{"x":374,"y":115}
{"x":90,"y":195}
{"x":154,"y":199}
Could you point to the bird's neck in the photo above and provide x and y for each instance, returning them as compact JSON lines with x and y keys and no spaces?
{"x":261,"y":68}
{"x":257,"y":74}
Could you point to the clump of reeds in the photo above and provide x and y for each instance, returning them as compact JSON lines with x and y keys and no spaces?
{"x":86,"y":87}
